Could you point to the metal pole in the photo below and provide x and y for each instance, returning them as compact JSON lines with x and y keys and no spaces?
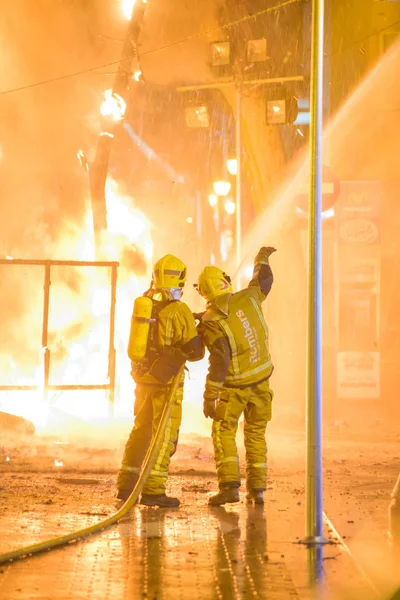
{"x":111,"y":347}
{"x":238,"y":137}
{"x":45,"y":329}
{"x":314,"y":524}
{"x":315,"y":563}
{"x":394,"y":514}
{"x":218,"y":225}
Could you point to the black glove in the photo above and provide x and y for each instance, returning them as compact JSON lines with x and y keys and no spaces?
{"x":198,"y":316}
{"x":209,"y":408}
{"x":173,"y":352}
{"x":168,"y":364}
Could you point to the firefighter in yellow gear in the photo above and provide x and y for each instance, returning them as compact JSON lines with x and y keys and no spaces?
{"x":236,"y":334}
{"x":172,"y":339}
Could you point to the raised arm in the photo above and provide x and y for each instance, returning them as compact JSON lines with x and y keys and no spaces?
{"x":262,"y":274}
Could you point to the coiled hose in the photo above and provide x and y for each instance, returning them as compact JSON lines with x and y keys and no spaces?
{"x":130,"y":502}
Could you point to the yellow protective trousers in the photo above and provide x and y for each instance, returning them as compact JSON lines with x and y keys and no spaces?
{"x":255,"y":403}
{"x":149,"y":404}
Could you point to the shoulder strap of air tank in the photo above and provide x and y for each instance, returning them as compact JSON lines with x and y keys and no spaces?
{"x":153,"y":337}
{"x":157,"y":308}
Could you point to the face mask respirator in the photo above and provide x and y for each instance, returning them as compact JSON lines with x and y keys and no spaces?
{"x":176,"y":293}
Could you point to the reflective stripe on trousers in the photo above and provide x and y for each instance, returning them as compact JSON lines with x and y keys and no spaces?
{"x":255,"y":403}
{"x":149,"y":405}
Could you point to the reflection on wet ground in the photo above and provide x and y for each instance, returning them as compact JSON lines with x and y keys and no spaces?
{"x":206,"y":553}
{"x":195,"y":552}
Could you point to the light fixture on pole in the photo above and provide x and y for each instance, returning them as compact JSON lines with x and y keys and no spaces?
{"x":282,"y":110}
{"x":222,"y":188}
{"x":220,"y":54}
{"x":230,"y":206}
{"x":231,"y":165}
{"x":221,"y":58}
{"x":257,"y":50}
{"x":212,"y":200}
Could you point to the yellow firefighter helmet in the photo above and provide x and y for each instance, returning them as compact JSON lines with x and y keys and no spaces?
{"x":213,"y":282}
{"x":169,"y":273}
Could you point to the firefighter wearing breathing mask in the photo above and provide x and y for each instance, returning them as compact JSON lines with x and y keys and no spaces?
{"x":236,"y":334}
{"x":163,"y":336}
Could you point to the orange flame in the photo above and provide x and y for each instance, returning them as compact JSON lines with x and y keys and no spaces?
{"x":127,"y":8}
{"x":79,"y":321}
{"x":79,"y":329}
{"x":114,"y":106}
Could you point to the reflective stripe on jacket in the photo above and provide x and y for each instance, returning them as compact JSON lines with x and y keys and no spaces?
{"x":240,"y":319}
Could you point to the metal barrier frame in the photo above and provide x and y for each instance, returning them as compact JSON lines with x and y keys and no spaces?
{"x":47,"y":264}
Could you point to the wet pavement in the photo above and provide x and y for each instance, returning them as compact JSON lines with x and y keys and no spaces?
{"x":194,"y":552}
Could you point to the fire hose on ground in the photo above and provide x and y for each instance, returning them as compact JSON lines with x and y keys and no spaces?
{"x":148,"y":464}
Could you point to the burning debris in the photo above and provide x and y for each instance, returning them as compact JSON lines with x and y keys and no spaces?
{"x":114,"y":106}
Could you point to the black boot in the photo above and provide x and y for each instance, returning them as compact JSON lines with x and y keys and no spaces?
{"x":224,"y":496}
{"x":126,"y":485}
{"x":256,"y":496}
{"x":160,"y":500}
{"x":124,"y":494}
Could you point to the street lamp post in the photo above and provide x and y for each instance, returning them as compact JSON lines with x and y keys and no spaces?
{"x":221,"y":189}
{"x":99,"y":168}
{"x":238,"y":144}
{"x":314,"y":503}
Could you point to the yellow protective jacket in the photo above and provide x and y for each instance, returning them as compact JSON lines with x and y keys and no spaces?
{"x":176,"y":340}
{"x":236,"y":334}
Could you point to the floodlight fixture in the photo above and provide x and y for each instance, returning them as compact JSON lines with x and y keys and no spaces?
{"x":257,"y":50}
{"x":282,"y":111}
{"x":220,"y":54}
{"x":231,"y":164}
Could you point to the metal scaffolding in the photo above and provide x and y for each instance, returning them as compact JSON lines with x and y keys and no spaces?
{"x":46,"y":386}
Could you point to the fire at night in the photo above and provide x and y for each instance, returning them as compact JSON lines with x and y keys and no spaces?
{"x":200,"y":281}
